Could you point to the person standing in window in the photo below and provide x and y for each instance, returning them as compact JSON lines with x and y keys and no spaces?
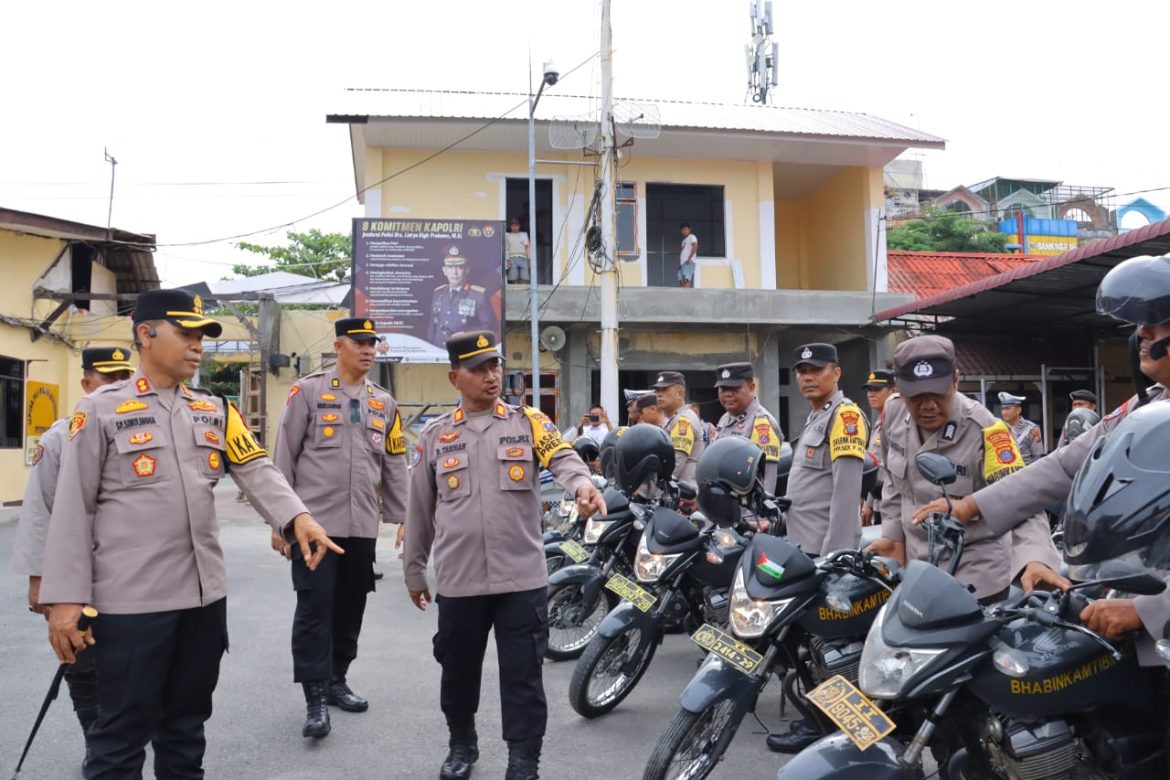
{"x":686,"y":257}
{"x":517,"y":253}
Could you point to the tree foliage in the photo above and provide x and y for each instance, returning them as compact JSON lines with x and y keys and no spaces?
{"x":320,"y":255}
{"x":943,"y":231}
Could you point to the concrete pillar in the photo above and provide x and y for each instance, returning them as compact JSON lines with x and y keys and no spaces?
{"x":574,"y":377}
{"x":768,"y":375}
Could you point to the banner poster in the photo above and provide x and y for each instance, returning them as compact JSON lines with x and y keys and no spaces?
{"x":42,"y":408}
{"x":422,"y":280}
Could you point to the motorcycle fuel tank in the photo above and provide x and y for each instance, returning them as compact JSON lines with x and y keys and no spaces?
{"x":865,"y":598}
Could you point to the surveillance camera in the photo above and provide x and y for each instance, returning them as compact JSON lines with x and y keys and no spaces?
{"x":551,"y":75}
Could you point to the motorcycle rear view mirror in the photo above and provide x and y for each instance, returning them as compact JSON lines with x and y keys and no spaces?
{"x":935,"y":468}
{"x":687,"y":491}
{"x":1125,"y":578}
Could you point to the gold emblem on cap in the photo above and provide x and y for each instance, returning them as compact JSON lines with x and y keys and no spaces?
{"x":481,"y":342}
{"x":198,"y":305}
{"x":368,"y":325}
{"x":872,"y":376}
{"x":119,"y":355}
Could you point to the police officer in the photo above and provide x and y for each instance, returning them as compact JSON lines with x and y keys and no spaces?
{"x":100,"y":366}
{"x":1029,"y":437}
{"x":1083,"y":399}
{"x":475,"y":504}
{"x":133,"y":532}
{"x":341,"y":447}
{"x":825,"y":481}
{"x":879,"y":388}
{"x":648,"y":411}
{"x":1136,"y":291}
{"x":683,"y":425}
{"x":744,"y":415}
{"x":1078,"y":421}
{"x":458,"y":305}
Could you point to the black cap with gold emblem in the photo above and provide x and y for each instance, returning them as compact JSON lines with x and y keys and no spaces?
{"x":879,"y":378}
{"x":106,"y":360}
{"x":733,"y":374}
{"x":179,"y":306}
{"x":356,"y":328}
{"x":469,"y":349}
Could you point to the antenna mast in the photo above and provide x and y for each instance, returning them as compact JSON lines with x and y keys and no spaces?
{"x":762,"y":54}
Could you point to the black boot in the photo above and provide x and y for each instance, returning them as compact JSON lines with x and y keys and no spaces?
{"x":316,"y":709}
{"x":463,"y":751}
{"x":86,"y":717}
{"x":800,"y":735}
{"x":341,"y":696}
{"x":523,"y":759}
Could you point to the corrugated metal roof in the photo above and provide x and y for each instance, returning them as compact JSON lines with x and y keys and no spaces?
{"x":929,"y":273}
{"x":409,"y":103}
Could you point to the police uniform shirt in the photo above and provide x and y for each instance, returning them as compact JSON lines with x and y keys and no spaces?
{"x":1047,"y":482}
{"x":1029,"y":439}
{"x":983,"y":451}
{"x":475,"y":500}
{"x":825,"y":481}
{"x":686,"y":435}
{"x":133,"y":527}
{"x":757,"y":424}
{"x":338,"y":465}
{"x":464,"y":309}
{"x":28,"y":548}
{"x":874,"y":449}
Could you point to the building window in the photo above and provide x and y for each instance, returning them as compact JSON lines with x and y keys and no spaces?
{"x":627,"y":220}
{"x":516,"y":205}
{"x":667,"y":207}
{"x":12,"y":401}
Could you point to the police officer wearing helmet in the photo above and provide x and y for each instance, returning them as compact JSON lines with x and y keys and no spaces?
{"x":341,"y":447}
{"x":682,"y":424}
{"x":825,"y":481}
{"x":744,"y":416}
{"x":474,"y":507}
{"x":1136,"y":291}
{"x":1029,"y":437}
{"x":1082,"y":417}
{"x":134,"y":533}
{"x":458,"y":305}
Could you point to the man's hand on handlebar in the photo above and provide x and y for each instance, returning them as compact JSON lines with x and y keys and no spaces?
{"x":1112,"y":618}
{"x":889,"y":548}
{"x":963,"y":509}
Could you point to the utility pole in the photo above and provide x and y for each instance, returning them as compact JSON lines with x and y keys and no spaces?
{"x":609,"y":280}
{"x":548,"y":78}
{"x":110,"y":211}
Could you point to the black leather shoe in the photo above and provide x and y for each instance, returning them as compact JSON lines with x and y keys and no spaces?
{"x":464,"y":751}
{"x":341,"y":696}
{"x":523,"y":759}
{"x":316,"y":709}
{"x":800,"y":735}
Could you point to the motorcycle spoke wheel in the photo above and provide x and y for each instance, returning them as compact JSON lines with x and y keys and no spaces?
{"x":608,"y":670}
{"x":693,"y":743}
{"x":569,"y":631}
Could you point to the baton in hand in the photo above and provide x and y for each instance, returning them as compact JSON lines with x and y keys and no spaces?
{"x":88,"y":615}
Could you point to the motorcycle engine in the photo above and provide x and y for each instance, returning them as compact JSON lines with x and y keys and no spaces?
{"x":1040,"y":751}
{"x":716,"y":607}
{"x":828,"y":658}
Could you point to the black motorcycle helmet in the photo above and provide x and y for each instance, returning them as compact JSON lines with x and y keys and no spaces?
{"x":869,"y":474}
{"x":1137,"y":291}
{"x":728,"y":472}
{"x":1119,"y":505}
{"x":607,"y":446}
{"x":643,"y":452}
{"x":1079,"y":421}
{"x":587,"y":449}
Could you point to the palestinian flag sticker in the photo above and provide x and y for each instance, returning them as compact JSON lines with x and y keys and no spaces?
{"x":769,"y":567}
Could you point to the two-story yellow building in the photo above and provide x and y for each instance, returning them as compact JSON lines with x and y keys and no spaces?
{"x":786,"y":205}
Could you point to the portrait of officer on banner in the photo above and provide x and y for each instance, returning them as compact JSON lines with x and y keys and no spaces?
{"x":459,"y":305}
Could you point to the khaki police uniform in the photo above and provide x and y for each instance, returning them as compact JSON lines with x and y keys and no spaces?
{"x":1047,"y":482}
{"x":1030,"y":439}
{"x":464,"y":309}
{"x":28,"y":548}
{"x":761,"y":427}
{"x":825,"y":481}
{"x":475,"y":507}
{"x":134,"y":533}
{"x":686,"y":436}
{"x":983,"y":451}
{"x":342,"y":450}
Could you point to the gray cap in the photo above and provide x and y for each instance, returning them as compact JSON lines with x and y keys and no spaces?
{"x":1007,"y":399}
{"x":925,"y":364}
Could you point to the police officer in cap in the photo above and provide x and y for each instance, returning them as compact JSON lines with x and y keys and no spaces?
{"x":133,"y":532}
{"x":682,"y":424}
{"x":458,"y":305}
{"x":1136,"y":291}
{"x":1082,"y":416}
{"x":744,"y":415}
{"x":827,"y":461}
{"x":1029,"y":437}
{"x":100,"y":366}
{"x":879,"y":388}
{"x":342,"y":449}
{"x":474,"y":508}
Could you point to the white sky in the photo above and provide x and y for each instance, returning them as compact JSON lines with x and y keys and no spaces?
{"x":229,"y":95}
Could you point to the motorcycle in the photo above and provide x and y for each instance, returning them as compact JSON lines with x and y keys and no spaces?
{"x":683,"y":570}
{"x":563,"y":523}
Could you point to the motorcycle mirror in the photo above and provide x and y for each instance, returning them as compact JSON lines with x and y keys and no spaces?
{"x":1115,"y":574}
{"x":1163,"y":648}
{"x":687,"y":491}
{"x":935,"y":468}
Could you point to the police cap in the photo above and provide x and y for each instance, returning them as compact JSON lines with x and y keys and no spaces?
{"x":179,"y":306}
{"x":1083,"y":395}
{"x":471,"y":348}
{"x":879,"y":378}
{"x":454,"y":258}
{"x":669,"y":379}
{"x":1007,"y":399}
{"x":356,"y":328}
{"x":105,"y":360}
{"x":644,"y":402}
{"x":733,"y":374}
{"x":819,"y":355}
{"x":925,"y":364}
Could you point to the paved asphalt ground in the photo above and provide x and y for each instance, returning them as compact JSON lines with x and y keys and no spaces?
{"x":255,"y":731}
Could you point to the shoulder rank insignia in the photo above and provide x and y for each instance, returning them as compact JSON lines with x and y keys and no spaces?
{"x":130,"y":406}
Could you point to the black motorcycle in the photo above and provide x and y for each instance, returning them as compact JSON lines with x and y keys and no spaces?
{"x":564,"y":528}
{"x":683,"y":570}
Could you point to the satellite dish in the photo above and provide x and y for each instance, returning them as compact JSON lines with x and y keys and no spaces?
{"x":573,"y":132}
{"x":637,"y":120}
{"x":553,"y":338}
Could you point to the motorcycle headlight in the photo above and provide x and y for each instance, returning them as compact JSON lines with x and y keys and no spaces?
{"x":885,"y":671}
{"x":648,"y":567}
{"x":751,"y":618}
{"x":595,"y":527}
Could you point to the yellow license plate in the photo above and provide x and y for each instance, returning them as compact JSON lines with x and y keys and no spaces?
{"x":852,"y":711}
{"x":727,"y":647}
{"x":631,"y":592}
{"x":575,"y":551}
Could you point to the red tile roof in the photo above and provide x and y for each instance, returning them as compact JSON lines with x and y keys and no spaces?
{"x":929,"y":273}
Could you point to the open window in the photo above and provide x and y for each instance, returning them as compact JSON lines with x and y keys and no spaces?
{"x":667,"y":207}
{"x":516,"y":205}
{"x":11,"y":403}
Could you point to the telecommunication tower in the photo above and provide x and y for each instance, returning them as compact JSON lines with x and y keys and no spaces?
{"x":762,"y":54}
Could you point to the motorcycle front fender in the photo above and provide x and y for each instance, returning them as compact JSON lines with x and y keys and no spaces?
{"x":589,"y":577}
{"x":836,"y":757}
{"x":626,"y":616}
{"x":715,"y":681}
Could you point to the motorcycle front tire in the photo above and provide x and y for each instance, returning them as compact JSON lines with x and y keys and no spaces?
{"x":594,"y":654}
{"x":554,"y":651}
{"x":685,"y":729}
